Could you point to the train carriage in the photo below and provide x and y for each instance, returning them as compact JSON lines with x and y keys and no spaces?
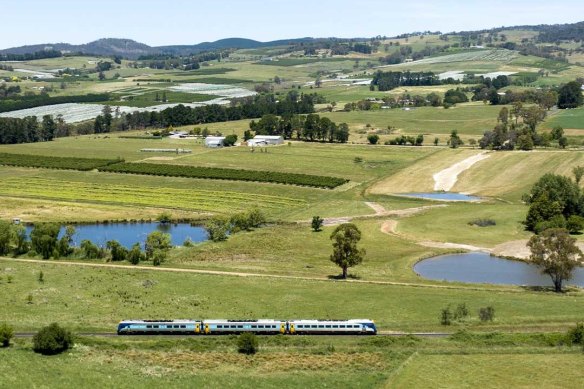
{"x":158,"y":327}
{"x":264,"y":326}
{"x":332,"y":327}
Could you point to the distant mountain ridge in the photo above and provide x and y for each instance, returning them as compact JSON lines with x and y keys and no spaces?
{"x":129,"y":48}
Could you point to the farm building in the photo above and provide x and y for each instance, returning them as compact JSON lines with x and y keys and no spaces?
{"x":265,"y":140}
{"x":214,"y":141}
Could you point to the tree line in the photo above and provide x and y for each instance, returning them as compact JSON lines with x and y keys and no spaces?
{"x":310,"y":128}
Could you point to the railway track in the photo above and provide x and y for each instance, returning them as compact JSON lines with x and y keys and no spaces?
{"x":114,"y":334}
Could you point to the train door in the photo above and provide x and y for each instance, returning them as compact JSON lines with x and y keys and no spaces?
{"x":282,"y":328}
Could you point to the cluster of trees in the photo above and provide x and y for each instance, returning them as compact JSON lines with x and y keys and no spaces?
{"x":31,"y":56}
{"x":556,"y":201}
{"x":509,"y":133}
{"x":9,"y":91}
{"x":220,"y":227}
{"x":310,"y":128}
{"x":16,"y":102}
{"x":405,"y":52}
{"x":245,"y":108}
{"x":28,"y":130}
{"x":188,"y":62}
{"x":404,"y":140}
{"x":45,"y":241}
{"x":385,"y":81}
{"x":430,"y":100}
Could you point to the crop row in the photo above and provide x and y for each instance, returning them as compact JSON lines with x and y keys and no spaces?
{"x":41,"y":161}
{"x":225,"y":174}
{"x":199,"y":200}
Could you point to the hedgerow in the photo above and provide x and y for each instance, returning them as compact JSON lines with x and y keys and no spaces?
{"x":41,"y":161}
{"x":225,"y":174}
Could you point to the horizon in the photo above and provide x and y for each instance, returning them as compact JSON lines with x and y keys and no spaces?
{"x":266,"y":24}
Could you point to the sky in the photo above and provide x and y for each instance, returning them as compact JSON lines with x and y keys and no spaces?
{"x":169,"y":22}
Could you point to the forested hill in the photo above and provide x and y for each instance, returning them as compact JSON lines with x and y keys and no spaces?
{"x":131,"y":49}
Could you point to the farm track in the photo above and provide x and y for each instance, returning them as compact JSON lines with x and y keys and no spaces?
{"x":257,"y":275}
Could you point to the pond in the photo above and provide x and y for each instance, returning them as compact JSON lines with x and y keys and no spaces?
{"x":484,"y":268}
{"x":130,"y":233}
{"x":445,"y":196}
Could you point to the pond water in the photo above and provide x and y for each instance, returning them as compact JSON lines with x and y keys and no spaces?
{"x":447,"y":196}
{"x":130,"y":233}
{"x":484,"y":268}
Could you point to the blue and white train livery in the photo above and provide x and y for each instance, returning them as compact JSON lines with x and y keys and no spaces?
{"x":261,"y":327}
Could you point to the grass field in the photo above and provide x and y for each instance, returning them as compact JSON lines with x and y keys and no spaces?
{"x":491,"y":371}
{"x":87,"y":299}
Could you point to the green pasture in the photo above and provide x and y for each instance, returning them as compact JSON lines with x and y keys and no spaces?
{"x":470,"y":119}
{"x":512,"y":370}
{"x":87,"y":299}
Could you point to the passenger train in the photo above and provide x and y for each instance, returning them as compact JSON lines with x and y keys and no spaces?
{"x":261,"y":327}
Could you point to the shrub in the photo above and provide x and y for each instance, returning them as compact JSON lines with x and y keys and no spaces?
{"x":576,"y":335}
{"x":247,"y":343}
{"x":575,"y":224}
{"x":373,"y":139}
{"x":217,"y":228}
{"x":118,"y":252}
{"x":6,"y":333}
{"x":487,"y":313}
{"x":164,"y":217}
{"x":90,"y":250}
{"x":41,"y":277}
{"x":461,"y":312}
{"x":317,"y":222}
{"x":135,"y":255}
{"x":446,"y":316}
{"x":52,"y":340}
{"x":482,"y":222}
{"x":557,"y":221}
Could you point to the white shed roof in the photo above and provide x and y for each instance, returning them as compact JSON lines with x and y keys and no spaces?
{"x":275,"y":137}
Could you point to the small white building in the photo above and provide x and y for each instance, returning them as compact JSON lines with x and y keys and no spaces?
{"x":265,"y":140}
{"x":214,"y":141}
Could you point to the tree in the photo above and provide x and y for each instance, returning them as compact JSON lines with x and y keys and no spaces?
{"x":135,"y":255}
{"x":64,"y":244}
{"x":20,"y":239}
{"x":44,"y":238}
{"x":345,"y":252}
{"x":570,"y":95}
{"x":5,"y":237}
{"x":6,"y":333}
{"x":217,"y":228}
{"x":578,"y":172}
{"x":373,"y":139}
{"x":317,"y":223}
{"x":556,"y":253}
{"x":557,"y":132}
{"x":90,"y":250}
{"x":155,"y":241}
{"x":563,"y":142}
{"x":247,"y":343}
{"x":52,"y":340}
{"x":101,"y":76}
{"x":230,"y":140}
{"x":118,"y":252}
{"x":455,"y":140}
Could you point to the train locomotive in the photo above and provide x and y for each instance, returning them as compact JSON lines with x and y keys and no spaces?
{"x":260,"y":327}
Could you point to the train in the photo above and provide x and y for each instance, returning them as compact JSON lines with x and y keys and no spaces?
{"x":260,"y":327}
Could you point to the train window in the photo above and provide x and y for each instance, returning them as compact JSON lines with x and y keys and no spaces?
{"x":219,"y":326}
{"x":342,"y":326}
{"x":148,"y":326}
{"x":176,"y":326}
{"x":183,"y":326}
{"x":254,"y":326}
{"x":239,"y":326}
{"x":155,"y":327}
{"x":313,"y":326}
{"x":328,"y":326}
{"x":336,"y":326}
